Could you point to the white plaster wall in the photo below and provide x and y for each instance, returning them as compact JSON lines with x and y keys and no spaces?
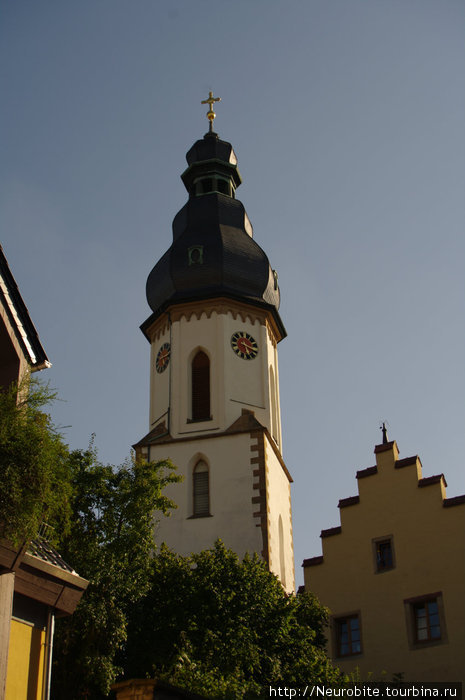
{"x":245,"y":385}
{"x":159,"y":383}
{"x":235,"y":383}
{"x":189,"y":336}
{"x":279,"y":503}
{"x":247,"y":381}
{"x":231,"y":492}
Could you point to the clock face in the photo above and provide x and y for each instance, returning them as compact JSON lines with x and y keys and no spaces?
{"x":163,"y":358}
{"x":244,"y":345}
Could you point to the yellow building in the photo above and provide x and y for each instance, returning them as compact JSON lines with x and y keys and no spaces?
{"x":36,"y":585}
{"x":393,"y":574}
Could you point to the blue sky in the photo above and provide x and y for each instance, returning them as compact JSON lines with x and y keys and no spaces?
{"x":347,"y":119}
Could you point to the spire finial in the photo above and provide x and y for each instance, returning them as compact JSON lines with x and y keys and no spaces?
{"x":385,"y":435}
{"x":211,"y":114}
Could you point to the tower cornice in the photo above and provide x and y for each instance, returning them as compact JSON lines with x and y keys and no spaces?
{"x":267,"y":316}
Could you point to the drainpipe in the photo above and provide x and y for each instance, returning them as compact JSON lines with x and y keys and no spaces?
{"x":7,"y":584}
{"x":48,"y":654}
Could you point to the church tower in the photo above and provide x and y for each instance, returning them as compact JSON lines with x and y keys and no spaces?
{"x":214,"y":383}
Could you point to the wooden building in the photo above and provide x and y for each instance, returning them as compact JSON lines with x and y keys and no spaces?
{"x":36,"y":584}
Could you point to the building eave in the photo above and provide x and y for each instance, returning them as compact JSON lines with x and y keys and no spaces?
{"x":19,"y":318}
{"x":244,"y":424}
{"x":40,"y":580}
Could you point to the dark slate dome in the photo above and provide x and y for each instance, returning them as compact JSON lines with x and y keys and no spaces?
{"x":213,"y":253}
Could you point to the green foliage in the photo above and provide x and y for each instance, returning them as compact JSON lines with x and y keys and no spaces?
{"x":225,"y":628}
{"x":355,"y":677}
{"x":208,"y":622}
{"x":102,"y":522}
{"x":110,"y":543}
{"x":34,"y":480}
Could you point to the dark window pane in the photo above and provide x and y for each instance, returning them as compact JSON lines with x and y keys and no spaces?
{"x":384,"y":555}
{"x":348,"y":636}
{"x":427,"y":624}
{"x":201,"y":387}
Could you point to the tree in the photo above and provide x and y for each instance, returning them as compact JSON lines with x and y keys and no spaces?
{"x":225,"y":628}
{"x":208,"y":622}
{"x":110,"y":542}
{"x":101,"y":520}
{"x":34,"y":483}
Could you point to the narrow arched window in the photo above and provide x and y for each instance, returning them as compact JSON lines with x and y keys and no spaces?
{"x":282,"y":562}
{"x":274,"y":406}
{"x":201,"y":489}
{"x":201,"y":387}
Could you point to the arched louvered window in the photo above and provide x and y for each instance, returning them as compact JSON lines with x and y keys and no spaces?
{"x":274,"y":406}
{"x":201,"y":489}
{"x":201,"y":387}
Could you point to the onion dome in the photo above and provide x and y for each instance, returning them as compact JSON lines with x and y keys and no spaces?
{"x":213,"y":253}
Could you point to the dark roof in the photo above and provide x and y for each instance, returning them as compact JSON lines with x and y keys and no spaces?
{"x":213,"y":253}
{"x":246,"y":423}
{"x":42,"y":549}
{"x":41,"y":574}
{"x":350,"y":501}
{"x":331,"y":531}
{"x":313,"y":561}
{"x":19,"y":318}
{"x":160,"y":434}
{"x":430,"y":480}
{"x":454,"y":501}
{"x":406,"y":462}
{"x":369,"y":471}
{"x":384,"y":446}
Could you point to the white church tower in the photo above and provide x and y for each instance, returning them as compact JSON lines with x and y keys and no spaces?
{"x":214,"y":383}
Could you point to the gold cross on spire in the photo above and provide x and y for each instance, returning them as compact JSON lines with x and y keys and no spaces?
{"x":210,"y":102}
